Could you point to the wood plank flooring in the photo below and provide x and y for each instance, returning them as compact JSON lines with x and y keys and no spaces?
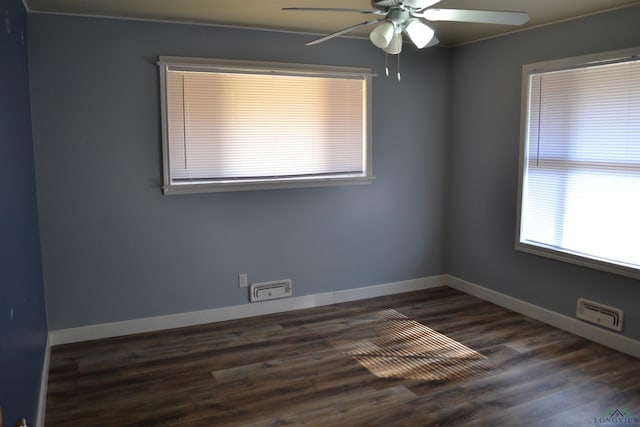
{"x":430,"y":358}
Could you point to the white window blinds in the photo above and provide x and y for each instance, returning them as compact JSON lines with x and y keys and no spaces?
{"x":581,"y":167}
{"x":230,"y":125}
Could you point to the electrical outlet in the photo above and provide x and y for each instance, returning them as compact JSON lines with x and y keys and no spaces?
{"x":243,"y":282}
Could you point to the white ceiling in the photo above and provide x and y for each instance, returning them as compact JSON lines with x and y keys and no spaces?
{"x":267,"y":14}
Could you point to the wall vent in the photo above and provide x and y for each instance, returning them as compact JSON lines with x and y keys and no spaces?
{"x":270,"y":290}
{"x":599,"y":314}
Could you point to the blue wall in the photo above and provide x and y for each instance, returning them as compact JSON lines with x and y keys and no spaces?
{"x":485,"y":130}
{"x":23,"y":326}
{"x":115,"y":248}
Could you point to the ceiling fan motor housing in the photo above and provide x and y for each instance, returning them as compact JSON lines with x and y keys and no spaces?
{"x":398,"y":16}
{"x":414,"y":5}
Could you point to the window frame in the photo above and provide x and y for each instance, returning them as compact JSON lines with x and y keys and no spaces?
{"x":528,"y":70}
{"x":262,"y":67}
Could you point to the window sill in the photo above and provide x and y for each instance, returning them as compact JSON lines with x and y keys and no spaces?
{"x":189,"y":187}
{"x":598,"y":264}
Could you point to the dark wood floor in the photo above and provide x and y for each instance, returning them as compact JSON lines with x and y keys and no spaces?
{"x":430,"y":358}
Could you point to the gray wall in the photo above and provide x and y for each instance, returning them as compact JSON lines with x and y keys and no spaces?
{"x":483,"y":170}
{"x":114,"y":248}
{"x":23,"y":325}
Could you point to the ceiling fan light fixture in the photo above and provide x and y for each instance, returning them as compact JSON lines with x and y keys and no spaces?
{"x":395,"y":47}
{"x":382,"y":35}
{"x":419,"y":32}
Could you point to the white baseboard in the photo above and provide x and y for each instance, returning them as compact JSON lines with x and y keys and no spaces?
{"x":560,"y":321}
{"x":150,"y":324}
{"x":44,"y":380}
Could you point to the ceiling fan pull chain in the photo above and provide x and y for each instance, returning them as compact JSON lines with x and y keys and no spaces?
{"x":386,"y":59}
{"x":398,"y":67}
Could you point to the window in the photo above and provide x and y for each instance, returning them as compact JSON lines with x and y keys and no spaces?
{"x":580,"y":161}
{"x":238,"y":125}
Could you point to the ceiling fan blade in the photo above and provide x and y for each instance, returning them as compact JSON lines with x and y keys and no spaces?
{"x":477,"y":16}
{"x":343,"y":31}
{"x":333,"y":9}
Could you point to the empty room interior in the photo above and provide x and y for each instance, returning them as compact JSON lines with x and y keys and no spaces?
{"x":237,"y":214}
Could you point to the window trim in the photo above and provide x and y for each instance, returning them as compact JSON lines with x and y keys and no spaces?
{"x":575,"y":62}
{"x":207,"y":186}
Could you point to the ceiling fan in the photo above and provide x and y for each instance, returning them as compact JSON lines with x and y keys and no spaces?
{"x":408,"y":16}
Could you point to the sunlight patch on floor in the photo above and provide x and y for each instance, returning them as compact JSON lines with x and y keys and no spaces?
{"x":399,"y":347}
